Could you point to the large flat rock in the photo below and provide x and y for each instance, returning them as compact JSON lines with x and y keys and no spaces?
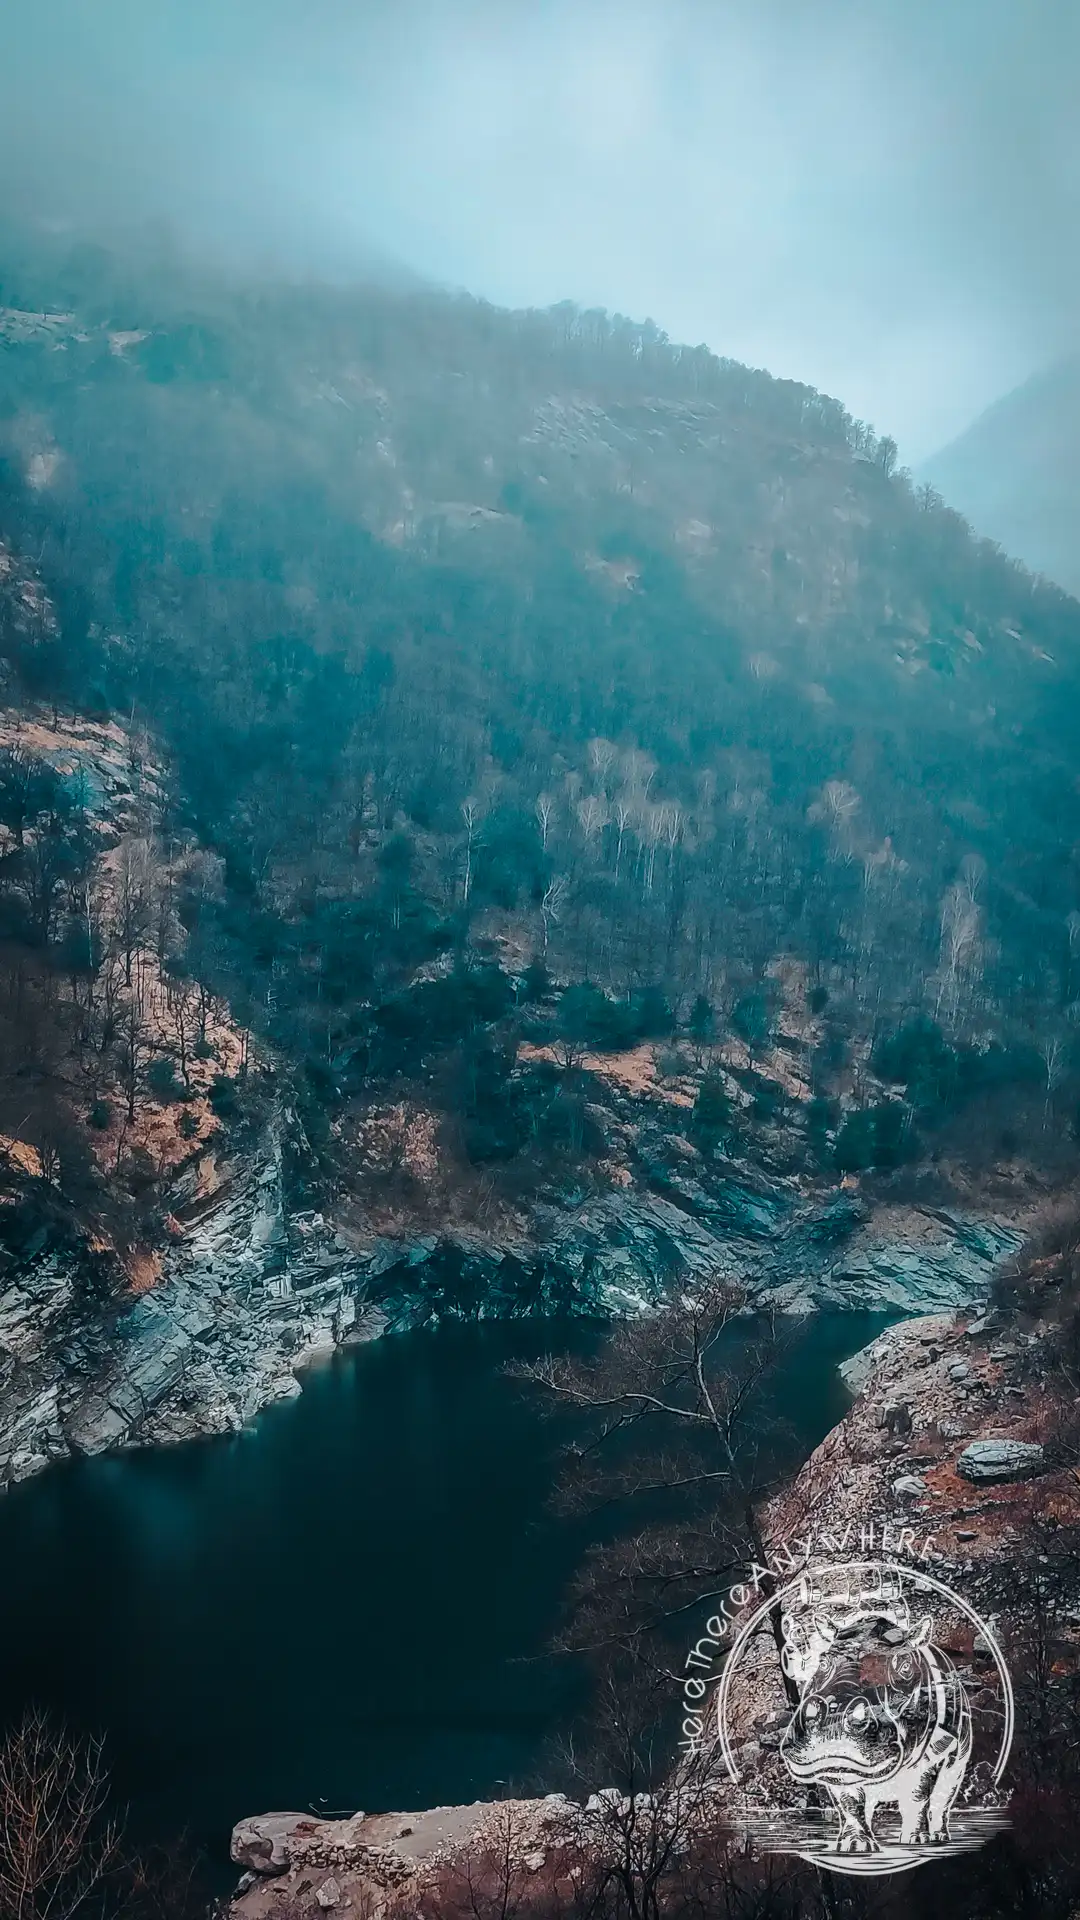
{"x":990,"y":1460}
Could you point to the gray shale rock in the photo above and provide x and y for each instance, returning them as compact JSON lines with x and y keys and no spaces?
{"x":255,"y":1290}
{"x":934,"y":1277}
{"x":262,"y":1843}
{"x":986,"y":1460}
{"x":246,"y":1298}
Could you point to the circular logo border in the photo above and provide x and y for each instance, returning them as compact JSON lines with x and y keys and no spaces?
{"x":912,"y":1577}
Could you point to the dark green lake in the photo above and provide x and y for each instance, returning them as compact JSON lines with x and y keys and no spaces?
{"x":346,"y":1606}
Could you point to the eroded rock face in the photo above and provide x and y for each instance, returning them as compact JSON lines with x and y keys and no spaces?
{"x":247,"y":1296}
{"x":950,"y":1271}
{"x":253,"y":1290}
{"x":613,"y":1254}
{"x":988,"y":1460}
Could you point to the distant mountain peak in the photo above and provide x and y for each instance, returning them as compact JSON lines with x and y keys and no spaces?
{"x":1015,"y":472}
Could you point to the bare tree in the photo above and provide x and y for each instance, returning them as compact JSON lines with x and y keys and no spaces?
{"x":626,"y":812}
{"x":592,"y":816}
{"x":656,"y":826}
{"x":973,"y":876}
{"x":182,"y":1003}
{"x":56,"y":1844}
{"x":551,"y":907}
{"x":837,"y":805}
{"x":960,"y":928}
{"x":1055,"y":1061}
{"x":887,"y":454}
{"x":133,"y":1046}
{"x":639,"y":771}
{"x":602,"y":757}
{"x":487,"y":1882}
{"x":635,"y":1834}
{"x":671,"y":1408}
{"x":545,"y":813}
{"x":133,"y":900}
{"x":471,"y":814}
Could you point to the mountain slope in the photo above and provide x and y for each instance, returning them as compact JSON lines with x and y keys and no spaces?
{"x":534,"y":692}
{"x":1016,"y":473}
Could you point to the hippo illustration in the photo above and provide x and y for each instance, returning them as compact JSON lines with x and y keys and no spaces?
{"x":881,"y":1720}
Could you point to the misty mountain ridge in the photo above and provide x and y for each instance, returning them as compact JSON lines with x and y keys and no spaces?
{"x":520,"y":689}
{"x":1015,"y":472}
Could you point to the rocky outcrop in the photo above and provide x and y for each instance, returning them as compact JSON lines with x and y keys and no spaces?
{"x":994,"y":1460}
{"x":950,"y":1268}
{"x":248,"y":1295}
{"x":618,"y":1253}
{"x":951,"y":1432}
{"x":252,"y":1289}
{"x":365,"y":1863}
{"x":263,"y":1845}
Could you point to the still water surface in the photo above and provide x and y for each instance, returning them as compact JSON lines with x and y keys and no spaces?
{"x":346,"y":1606}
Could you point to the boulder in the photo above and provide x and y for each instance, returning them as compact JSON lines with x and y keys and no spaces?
{"x":1000,"y":1460}
{"x":909,"y":1486}
{"x":262,"y":1844}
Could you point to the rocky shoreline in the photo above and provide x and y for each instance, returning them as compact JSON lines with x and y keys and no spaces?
{"x":252,"y":1289}
{"x":947,"y":1435}
{"x":953,"y":1431}
{"x":366,"y":1862}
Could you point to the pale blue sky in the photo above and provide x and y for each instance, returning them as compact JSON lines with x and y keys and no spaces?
{"x":877,"y":196}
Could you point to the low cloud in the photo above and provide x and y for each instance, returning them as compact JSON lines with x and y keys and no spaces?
{"x":879,"y":198}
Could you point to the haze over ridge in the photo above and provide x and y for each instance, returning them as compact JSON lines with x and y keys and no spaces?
{"x":872,"y":199}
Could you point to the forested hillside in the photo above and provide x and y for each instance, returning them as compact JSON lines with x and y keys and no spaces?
{"x":518,"y":686}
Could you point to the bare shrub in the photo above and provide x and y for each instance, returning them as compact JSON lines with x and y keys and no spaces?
{"x":56,"y":1844}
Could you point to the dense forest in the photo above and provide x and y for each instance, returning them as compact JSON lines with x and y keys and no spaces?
{"x":478,"y":678}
